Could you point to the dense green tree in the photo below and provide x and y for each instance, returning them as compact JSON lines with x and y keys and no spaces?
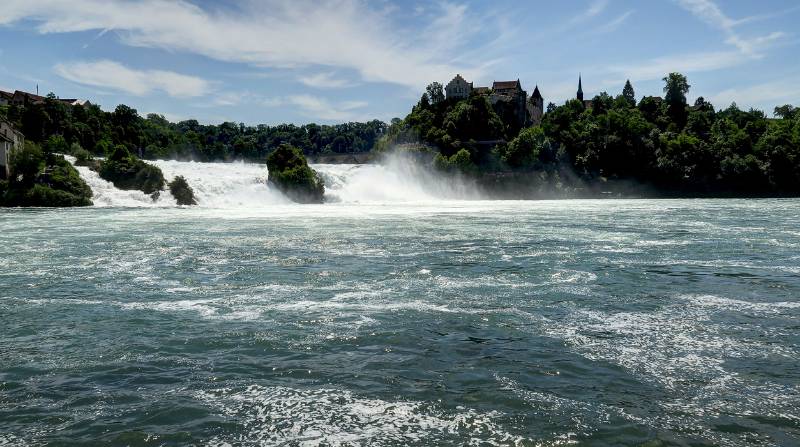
{"x":56,"y":144}
{"x":787,"y":111}
{"x":473,"y":119}
{"x":435,"y":93}
{"x":675,"y":89}
{"x":27,"y":162}
{"x":460,"y":162}
{"x":629,"y":94}
{"x":526,"y":148}
{"x":602,"y":103}
{"x":40,"y":179}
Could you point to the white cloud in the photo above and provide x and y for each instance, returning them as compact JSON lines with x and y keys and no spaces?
{"x":325,"y":80}
{"x":712,"y":14}
{"x":765,"y":95}
{"x":316,"y":107}
{"x":229,"y":98}
{"x":657,"y":68}
{"x":350,"y":34}
{"x":113,"y":75}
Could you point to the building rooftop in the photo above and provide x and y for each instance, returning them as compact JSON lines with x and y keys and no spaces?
{"x":506,"y":85}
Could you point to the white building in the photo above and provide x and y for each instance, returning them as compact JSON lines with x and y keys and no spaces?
{"x":10,"y":139}
{"x":458,"y":88}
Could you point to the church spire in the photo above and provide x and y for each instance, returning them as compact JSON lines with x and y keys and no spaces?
{"x":580,"y":88}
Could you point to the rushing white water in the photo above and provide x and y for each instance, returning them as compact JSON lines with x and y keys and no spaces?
{"x":104,"y":193}
{"x":225,"y":185}
{"x":244,"y":185}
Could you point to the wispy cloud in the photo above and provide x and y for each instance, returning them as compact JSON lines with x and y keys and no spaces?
{"x":349,"y":34}
{"x":113,"y":75}
{"x":595,"y":8}
{"x":316,"y":107}
{"x":325,"y":80}
{"x":225,"y":99}
{"x":614,"y":24}
{"x":656,"y":68}
{"x":709,"y":12}
{"x":765,"y":95}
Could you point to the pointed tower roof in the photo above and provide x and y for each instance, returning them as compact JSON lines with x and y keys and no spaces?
{"x":580,"y":88}
{"x":536,"y":93}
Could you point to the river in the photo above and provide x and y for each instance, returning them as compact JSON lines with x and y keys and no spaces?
{"x":404,"y":311}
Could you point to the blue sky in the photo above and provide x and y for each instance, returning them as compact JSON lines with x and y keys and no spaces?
{"x":299,"y":61}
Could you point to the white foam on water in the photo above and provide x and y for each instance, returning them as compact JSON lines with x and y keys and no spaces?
{"x":577,"y":418}
{"x":10,"y":440}
{"x":332,"y":417}
{"x":105,"y":194}
{"x":685,"y":349}
{"x":741,"y":305}
{"x":225,"y":185}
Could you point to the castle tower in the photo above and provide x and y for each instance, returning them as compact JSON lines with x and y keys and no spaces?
{"x":580,"y":89}
{"x":536,"y":107}
{"x":537,"y":99}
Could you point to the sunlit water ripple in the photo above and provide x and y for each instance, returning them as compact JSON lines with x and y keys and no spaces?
{"x":669,"y":322}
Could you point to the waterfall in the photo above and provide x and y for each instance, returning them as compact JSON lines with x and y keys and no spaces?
{"x":225,"y":185}
{"x":104,"y":193}
{"x":243,"y":185}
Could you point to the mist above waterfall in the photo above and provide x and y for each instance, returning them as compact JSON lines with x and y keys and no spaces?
{"x":396,"y":179}
{"x":244,"y":185}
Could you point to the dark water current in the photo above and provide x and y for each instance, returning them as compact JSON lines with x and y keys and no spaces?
{"x":600,"y":323}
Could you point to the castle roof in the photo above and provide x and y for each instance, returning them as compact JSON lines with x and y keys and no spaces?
{"x":506,"y":85}
{"x":536,"y":93}
{"x":458,"y":78}
{"x":19,"y":95}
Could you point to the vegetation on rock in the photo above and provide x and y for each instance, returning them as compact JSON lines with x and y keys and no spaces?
{"x":290,"y":173}
{"x":183,"y":193}
{"x":43,"y":179}
{"x":127,"y":171}
{"x":460,"y":162}
{"x":673,"y":146}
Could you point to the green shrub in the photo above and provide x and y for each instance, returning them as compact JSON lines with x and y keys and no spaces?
{"x":26,"y":163}
{"x":63,"y":176}
{"x":103,"y":148}
{"x":82,"y":156}
{"x":461,"y":162}
{"x":44,"y":196}
{"x":128,"y":172}
{"x":182,"y":192}
{"x":524,"y":150}
{"x":56,"y":144}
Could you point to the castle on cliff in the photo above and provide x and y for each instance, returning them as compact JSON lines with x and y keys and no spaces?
{"x":507,"y":96}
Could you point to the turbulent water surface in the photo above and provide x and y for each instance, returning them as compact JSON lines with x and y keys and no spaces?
{"x":397,"y":314}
